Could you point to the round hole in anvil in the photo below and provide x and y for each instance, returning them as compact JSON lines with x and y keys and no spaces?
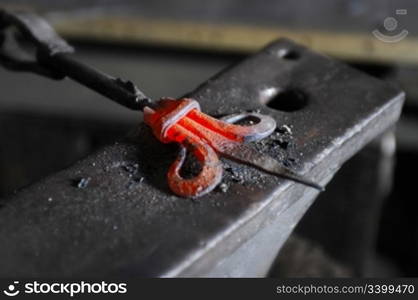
{"x":288,"y":100}
{"x":289,"y":54}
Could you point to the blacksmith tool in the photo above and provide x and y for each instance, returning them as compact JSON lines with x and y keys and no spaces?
{"x":29,"y":43}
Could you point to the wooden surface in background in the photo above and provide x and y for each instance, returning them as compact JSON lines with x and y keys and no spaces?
{"x":237,"y":38}
{"x":342,"y":28}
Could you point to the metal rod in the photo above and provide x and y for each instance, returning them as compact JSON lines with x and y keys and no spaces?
{"x":121,"y":91}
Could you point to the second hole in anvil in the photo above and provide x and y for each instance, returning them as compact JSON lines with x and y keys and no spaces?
{"x":288,"y":100}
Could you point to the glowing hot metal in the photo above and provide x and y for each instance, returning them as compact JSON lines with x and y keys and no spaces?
{"x":182,"y":121}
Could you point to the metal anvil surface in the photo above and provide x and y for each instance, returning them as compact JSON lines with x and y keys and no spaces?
{"x":123,"y":220}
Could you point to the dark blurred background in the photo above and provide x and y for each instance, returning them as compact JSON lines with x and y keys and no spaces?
{"x":365,"y":225}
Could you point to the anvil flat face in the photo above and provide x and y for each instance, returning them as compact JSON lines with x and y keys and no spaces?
{"x":124,"y":220}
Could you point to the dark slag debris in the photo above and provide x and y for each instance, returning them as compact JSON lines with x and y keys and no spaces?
{"x":130,"y":168}
{"x":223,"y":187}
{"x":133,"y":173}
{"x":82,"y":183}
{"x":278,"y":145}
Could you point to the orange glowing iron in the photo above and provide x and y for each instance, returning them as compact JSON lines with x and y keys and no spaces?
{"x":182,"y":121}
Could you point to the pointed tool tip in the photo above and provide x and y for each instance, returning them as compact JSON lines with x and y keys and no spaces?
{"x":314,"y":185}
{"x":310,"y":183}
